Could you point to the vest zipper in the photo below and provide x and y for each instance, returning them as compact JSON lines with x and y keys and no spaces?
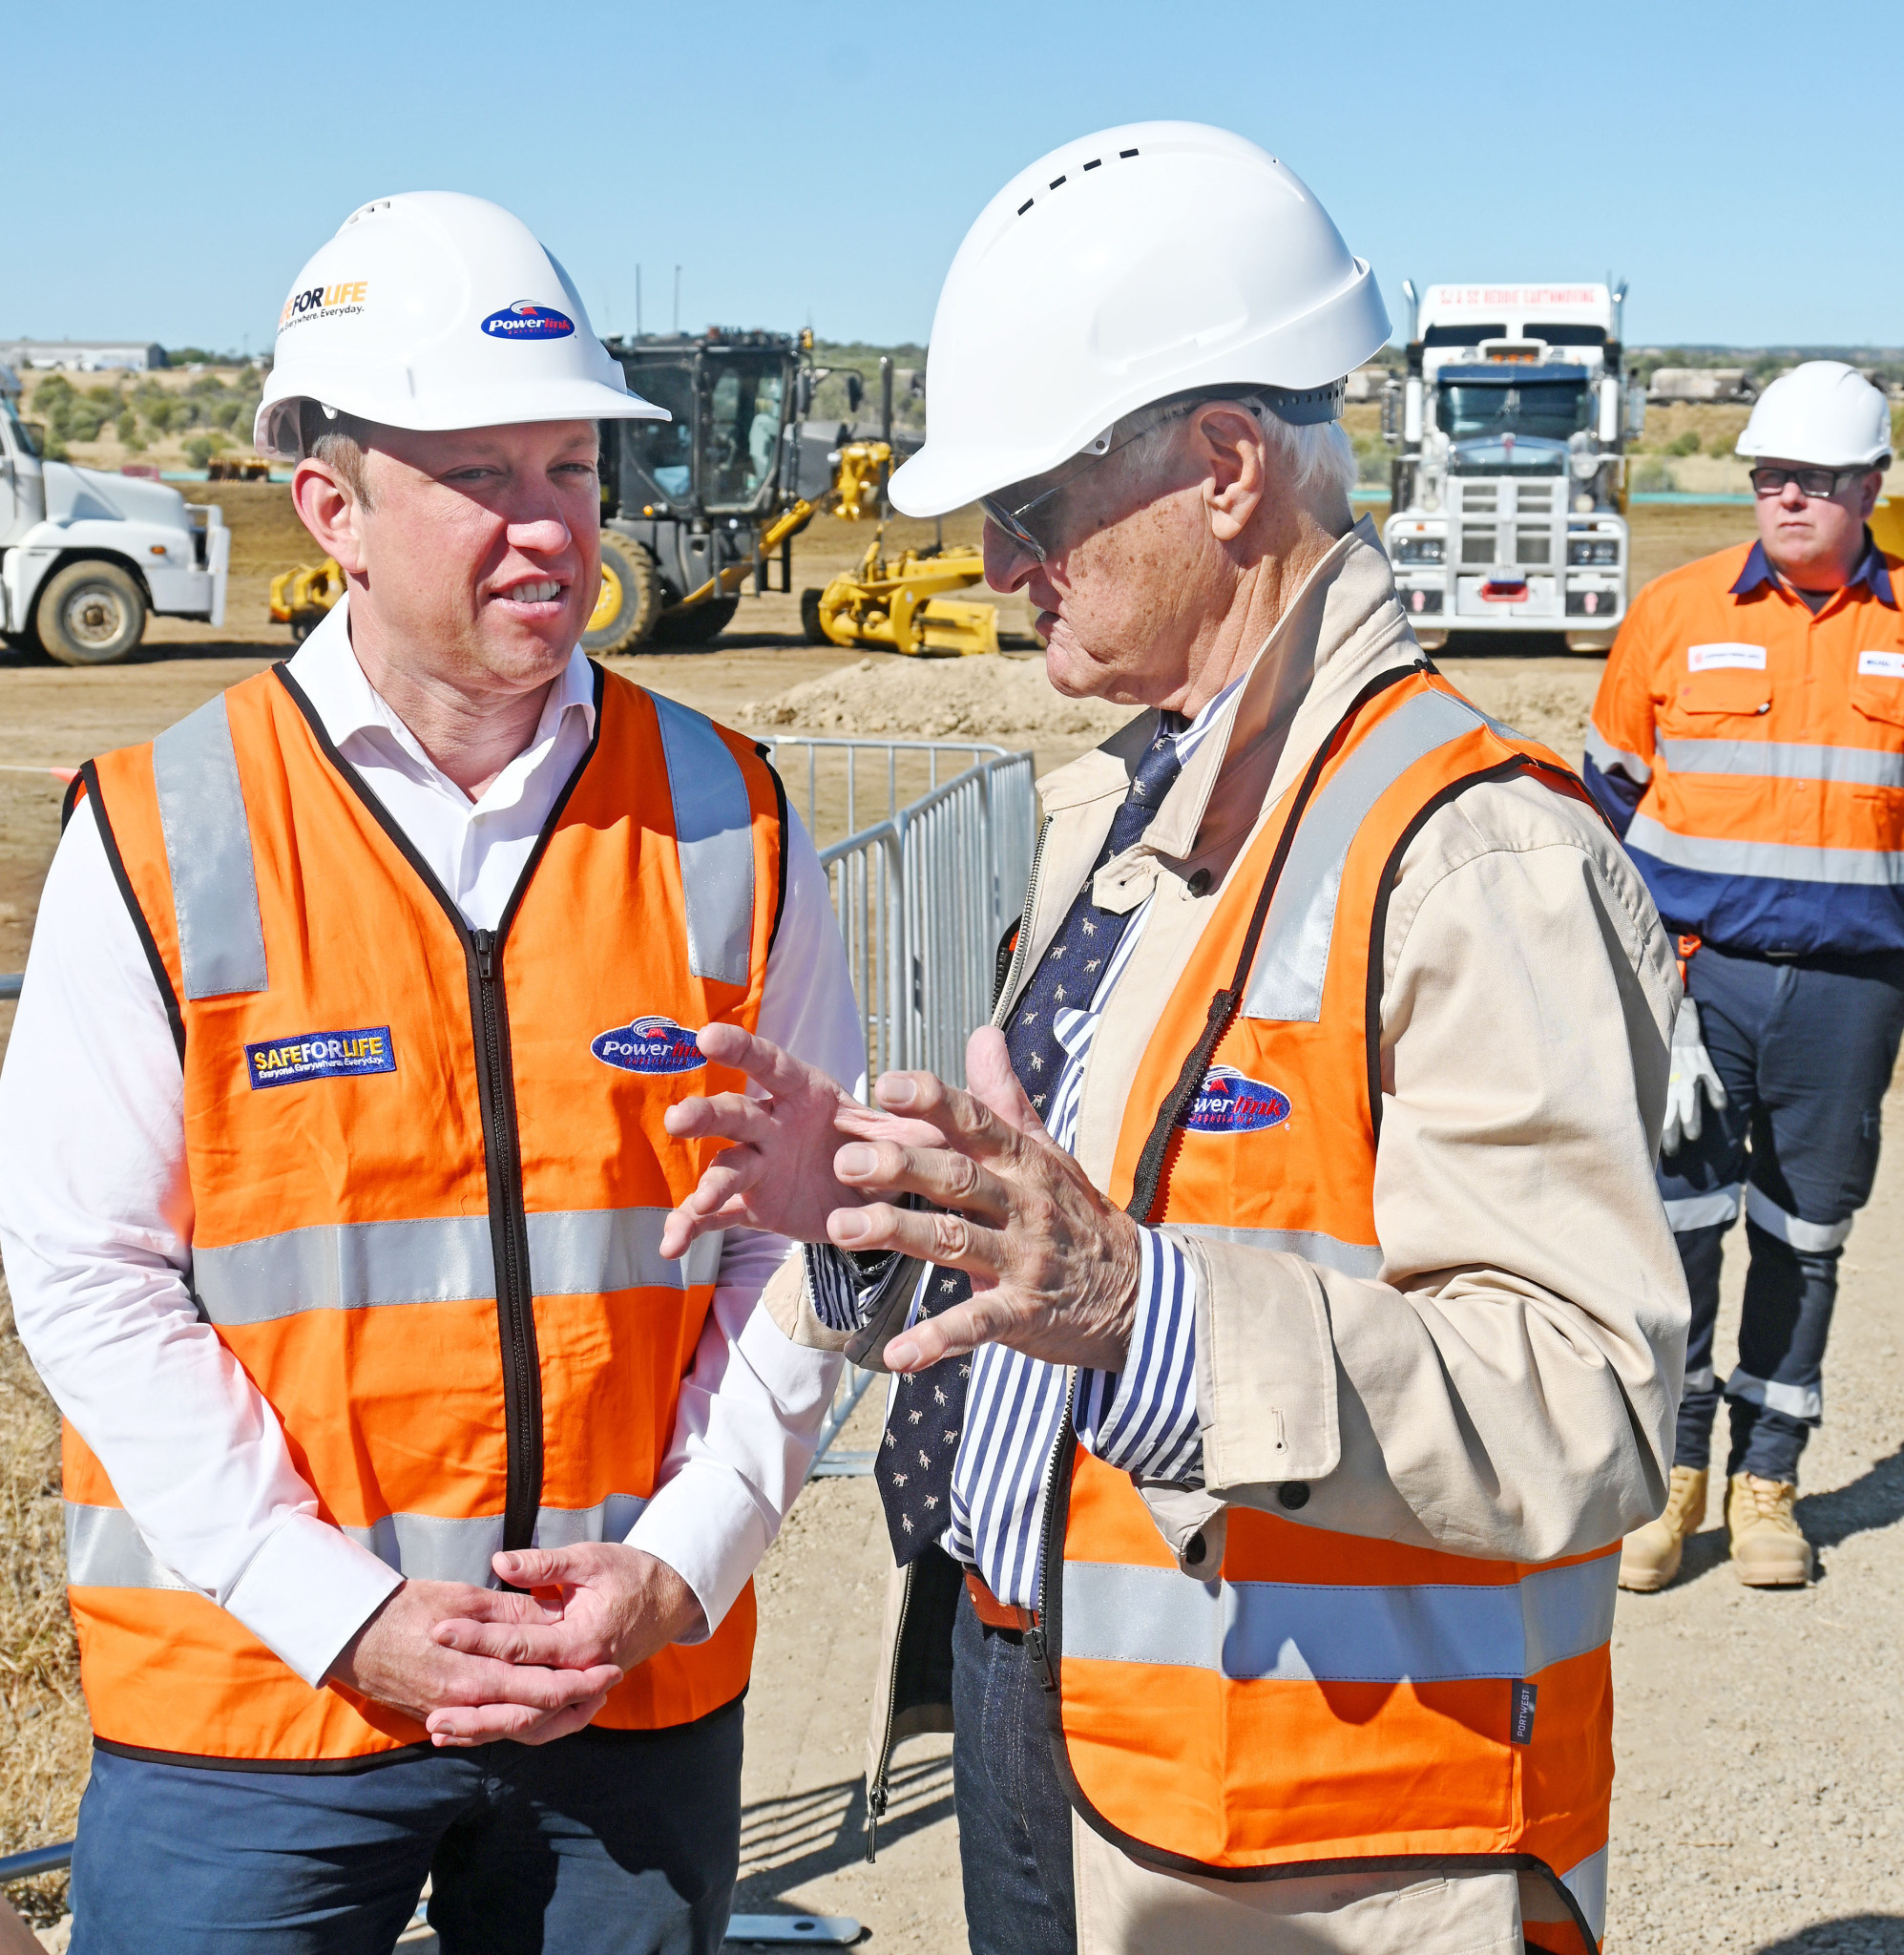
{"x":877,"y":1789}
{"x":509,"y":1229}
{"x":1037,"y":1638}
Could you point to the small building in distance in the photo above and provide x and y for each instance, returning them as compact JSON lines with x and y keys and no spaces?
{"x":82,"y":356}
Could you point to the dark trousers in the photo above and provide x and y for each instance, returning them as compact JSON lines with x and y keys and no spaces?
{"x":1804,"y":1052}
{"x":601,"y":1844}
{"x":1014,"y":1820}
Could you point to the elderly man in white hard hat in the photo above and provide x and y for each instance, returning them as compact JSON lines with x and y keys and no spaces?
{"x":1749,"y":742}
{"x":1285,"y":1325}
{"x":332,"y":1176}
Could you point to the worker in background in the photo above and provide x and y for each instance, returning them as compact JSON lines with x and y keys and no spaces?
{"x":1747,"y":741}
{"x":332,"y":1174}
{"x":1286,"y":1330}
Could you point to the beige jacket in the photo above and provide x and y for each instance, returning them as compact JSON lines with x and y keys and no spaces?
{"x":1507,"y":1385}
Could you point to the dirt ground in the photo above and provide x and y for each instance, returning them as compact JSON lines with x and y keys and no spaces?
{"x":1760,"y":1799}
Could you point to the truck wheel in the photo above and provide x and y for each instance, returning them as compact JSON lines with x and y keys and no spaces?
{"x":90,"y":614}
{"x":699,"y":626}
{"x":810,"y":617}
{"x":631,"y":597}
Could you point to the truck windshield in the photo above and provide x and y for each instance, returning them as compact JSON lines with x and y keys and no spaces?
{"x":23,"y":435}
{"x":741,"y":442}
{"x":1514,"y":404}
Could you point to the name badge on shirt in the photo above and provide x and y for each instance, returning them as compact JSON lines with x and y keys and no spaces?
{"x":1726,"y":658}
{"x":1882,"y":665}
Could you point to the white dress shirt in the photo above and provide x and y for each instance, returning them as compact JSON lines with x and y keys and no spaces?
{"x":96,"y":1213}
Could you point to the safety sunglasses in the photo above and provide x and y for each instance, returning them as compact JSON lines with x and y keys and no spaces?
{"x":1035,"y":523}
{"x":1813,"y":482}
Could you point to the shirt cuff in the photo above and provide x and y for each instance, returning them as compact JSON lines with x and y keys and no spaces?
{"x":1143,"y":1421}
{"x":705,"y":1524}
{"x":307,"y":1592}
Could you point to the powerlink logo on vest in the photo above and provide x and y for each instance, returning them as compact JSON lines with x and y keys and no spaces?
{"x":1231,"y":1103}
{"x":649,"y":1045}
{"x":321,"y":1055}
{"x":523,"y":320}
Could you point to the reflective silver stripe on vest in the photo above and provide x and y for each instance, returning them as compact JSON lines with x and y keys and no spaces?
{"x":1607,"y":756}
{"x":354,"y":1265}
{"x":105,"y":1550}
{"x":1290,"y":1632}
{"x":1785,"y":861}
{"x":1352,"y":1258}
{"x":1292,"y":960}
{"x":1779,"y":760}
{"x":208,"y":851}
{"x":1586,"y":1882}
{"x":714,"y":826}
{"x":427,"y":1547}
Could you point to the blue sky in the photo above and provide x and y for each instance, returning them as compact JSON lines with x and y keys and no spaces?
{"x":169,"y":171}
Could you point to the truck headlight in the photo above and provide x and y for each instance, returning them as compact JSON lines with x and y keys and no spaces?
{"x":1418,"y":549}
{"x":1593,"y":550}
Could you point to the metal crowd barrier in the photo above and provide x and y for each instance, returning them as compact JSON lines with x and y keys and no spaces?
{"x":923,"y":898}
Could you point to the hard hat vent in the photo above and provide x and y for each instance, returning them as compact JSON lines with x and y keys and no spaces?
{"x":1096,"y":163}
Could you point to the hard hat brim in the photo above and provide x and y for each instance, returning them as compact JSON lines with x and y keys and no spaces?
{"x":275,"y":428}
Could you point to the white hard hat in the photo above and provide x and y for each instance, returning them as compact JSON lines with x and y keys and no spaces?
{"x":1123,"y":268}
{"x":434,"y":311}
{"x":1823,"y":412}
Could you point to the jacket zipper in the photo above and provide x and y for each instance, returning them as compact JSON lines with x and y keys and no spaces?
{"x":515,"y":1309}
{"x":877,"y":1792}
{"x":1022,"y":948}
{"x":1037,"y":1639}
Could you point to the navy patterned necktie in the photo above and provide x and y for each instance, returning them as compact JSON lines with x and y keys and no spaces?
{"x":915,"y":1466}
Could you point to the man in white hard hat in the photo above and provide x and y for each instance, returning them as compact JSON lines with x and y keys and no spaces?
{"x":332,"y":1175}
{"x":1749,"y":742}
{"x":1285,"y":1328}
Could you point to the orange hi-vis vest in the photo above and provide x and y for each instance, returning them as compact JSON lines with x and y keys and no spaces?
{"x":429,"y":1176}
{"x":1332,"y":1702}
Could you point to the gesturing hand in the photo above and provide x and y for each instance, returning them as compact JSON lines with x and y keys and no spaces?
{"x":1054,"y":1264}
{"x":778,"y":1174}
{"x":598,"y":1605}
{"x":397,"y":1659}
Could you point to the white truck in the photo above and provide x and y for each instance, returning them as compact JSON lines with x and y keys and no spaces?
{"x":1509,"y":489}
{"x":84,"y":556}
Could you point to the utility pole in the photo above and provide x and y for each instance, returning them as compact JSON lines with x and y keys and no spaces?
{"x":677,"y":298}
{"x":637,"y":302}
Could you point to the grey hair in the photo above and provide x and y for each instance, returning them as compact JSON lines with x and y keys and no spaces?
{"x":339,"y":441}
{"x":1317,"y":457}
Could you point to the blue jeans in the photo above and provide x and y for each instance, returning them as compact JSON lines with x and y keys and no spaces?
{"x":1804,"y":1052}
{"x":1013,"y":1818}
{"x":601,"y":1844}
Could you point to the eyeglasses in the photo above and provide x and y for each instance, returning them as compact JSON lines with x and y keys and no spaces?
{"x":1814,"y":482}
{"x":1036,"y":524}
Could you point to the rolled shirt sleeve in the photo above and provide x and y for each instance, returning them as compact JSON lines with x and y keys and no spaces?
{"x":1508,"y":1386}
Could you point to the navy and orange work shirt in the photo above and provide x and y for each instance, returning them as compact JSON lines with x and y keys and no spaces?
{"x":1752,"y":755}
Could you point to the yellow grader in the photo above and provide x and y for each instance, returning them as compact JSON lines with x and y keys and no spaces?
{"x":299,"y":598}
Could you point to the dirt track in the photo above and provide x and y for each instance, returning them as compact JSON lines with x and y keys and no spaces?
{"x":1744,"y":1718}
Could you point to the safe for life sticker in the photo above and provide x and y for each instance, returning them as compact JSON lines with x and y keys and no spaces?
{"x":321,"y":1055}
{"x":1726,"y":658}
{"x":1882,"y":665}
{"x":649,"y":1045}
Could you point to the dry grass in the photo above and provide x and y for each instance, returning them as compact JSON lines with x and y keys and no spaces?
{"x":43,"y":1727}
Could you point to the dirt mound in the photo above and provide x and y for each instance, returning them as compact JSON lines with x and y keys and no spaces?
{"x":1006,"y":700}
{"x":1549,"y":706}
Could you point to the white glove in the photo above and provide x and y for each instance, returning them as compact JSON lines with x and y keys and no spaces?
{"x":1691,"y":1070}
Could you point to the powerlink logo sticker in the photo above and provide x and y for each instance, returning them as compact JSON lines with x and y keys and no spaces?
{"x":523,"y":320}
{"x":1231,"y":1103}
{"x":323,"y":302}
{"x":649,"y":1045}
{"x":321,"y":1055}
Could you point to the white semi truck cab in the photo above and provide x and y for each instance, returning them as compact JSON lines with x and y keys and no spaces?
{"x":84,"y":556}
{"x":1509,"y":510}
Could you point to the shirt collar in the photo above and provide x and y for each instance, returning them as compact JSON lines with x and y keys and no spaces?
{"x":346,"y":702}
{"x":1871,"y":572}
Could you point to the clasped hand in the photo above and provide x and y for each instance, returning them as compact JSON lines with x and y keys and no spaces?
{"x":1054,"y":1264}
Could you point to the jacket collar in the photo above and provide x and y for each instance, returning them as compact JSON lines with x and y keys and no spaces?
{"x":1873,"y":572}
{"x":1343,"y":626}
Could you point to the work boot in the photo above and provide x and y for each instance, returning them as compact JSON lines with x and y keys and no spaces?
{"x":1769,"y":1549}
{"x":1650,"y":1556}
